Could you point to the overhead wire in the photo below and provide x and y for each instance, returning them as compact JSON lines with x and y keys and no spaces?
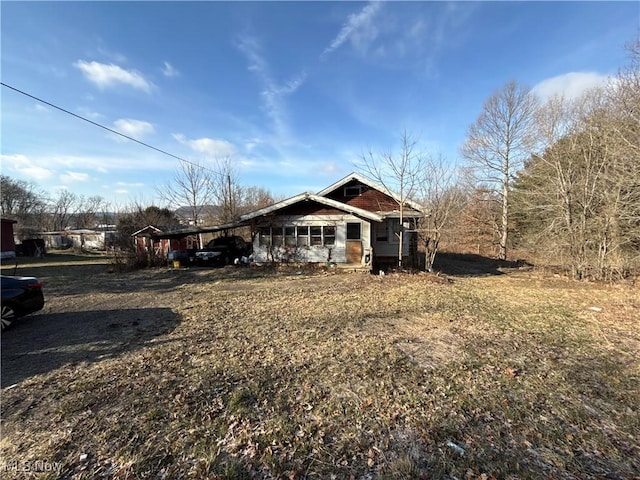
{"x":106,"y":128}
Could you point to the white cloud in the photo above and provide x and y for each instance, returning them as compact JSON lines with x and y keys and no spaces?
{"x":252,"y":143}
{"x":133,"y":128}
{"x":169,"y":71}
{"x":106,"y":164}
{"x":72,"y":177}
{"x":109,"y":75}
{"x":25,"y":166}
{"x":359,"y":29}
{"x":121,"y":191}
{"x":86,"y":112}
{"x":127,"y":184}
{"x":570,"y":85}
{"x":273,"y":94}
{"x":210,"y":147}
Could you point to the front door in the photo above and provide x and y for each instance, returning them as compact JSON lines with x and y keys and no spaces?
{"x":354,"y":242}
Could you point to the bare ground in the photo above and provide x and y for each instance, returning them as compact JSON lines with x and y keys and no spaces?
{"x":252,"y":373}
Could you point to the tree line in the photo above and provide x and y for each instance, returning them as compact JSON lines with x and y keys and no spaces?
{"x":556,"y":181}
{"x":211,"y":195}
{"x":563,"y":175}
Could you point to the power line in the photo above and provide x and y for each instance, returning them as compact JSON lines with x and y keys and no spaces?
{"x":106,"y":128}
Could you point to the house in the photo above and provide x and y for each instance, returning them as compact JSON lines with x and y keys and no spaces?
{"x":161,"y":240}
{"x":7,"y":241}
{"x":99,"y":238}
{"x":354,"y":222}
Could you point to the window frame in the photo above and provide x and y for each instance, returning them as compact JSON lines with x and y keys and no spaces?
{"x":299,"y":236}
{"x":359,"y":224}
{"x":326,"y":236}
{"x":356,"y":188}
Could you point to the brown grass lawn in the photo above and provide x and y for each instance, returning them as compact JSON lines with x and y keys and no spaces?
{"x":272,"y":375}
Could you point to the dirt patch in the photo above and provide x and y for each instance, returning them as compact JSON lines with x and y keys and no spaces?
{"x":430,"y":341}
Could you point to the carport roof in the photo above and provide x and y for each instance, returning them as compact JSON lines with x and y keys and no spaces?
{"x":184,"y":232}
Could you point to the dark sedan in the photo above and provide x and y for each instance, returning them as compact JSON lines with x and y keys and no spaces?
{"x":222,"y":251}
{"x":20,"y":296}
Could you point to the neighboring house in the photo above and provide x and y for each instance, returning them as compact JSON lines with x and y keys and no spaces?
{"x":7,"y":242}
{"x":86,"y":239}
{"x":162,"y":240}
{"x":354,"y":222}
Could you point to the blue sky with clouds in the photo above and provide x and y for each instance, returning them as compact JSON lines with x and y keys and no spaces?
{"x":293,"y":92}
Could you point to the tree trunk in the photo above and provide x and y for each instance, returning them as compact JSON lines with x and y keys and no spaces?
{"x":502,"y":254}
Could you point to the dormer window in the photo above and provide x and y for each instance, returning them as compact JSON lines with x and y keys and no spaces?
{"x":352,"y":191}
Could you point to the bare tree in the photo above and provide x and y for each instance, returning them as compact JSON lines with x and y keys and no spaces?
{"x":61,"y":210}
{"x":193,"y":185}
{"x":499,"y":141}
{"x":21,"y":201}
{"x":254,"y":198}
{"x":400,"y":172}
{"x":441,"y":197}
{"x":227,"y":193}
{"x":89,"y":211}
{"x":18,"y":198}
{"x":580,"y":197}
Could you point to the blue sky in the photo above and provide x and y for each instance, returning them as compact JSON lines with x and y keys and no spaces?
{"x":293,"y":92}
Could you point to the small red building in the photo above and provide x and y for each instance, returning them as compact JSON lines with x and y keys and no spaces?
{"x":8,"y":244}
{"x":150,"y":239}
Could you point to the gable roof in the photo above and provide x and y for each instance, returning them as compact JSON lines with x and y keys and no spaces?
{"x":370,"y":183}
{"x":148,"y":230}
{"x":310,"y":197}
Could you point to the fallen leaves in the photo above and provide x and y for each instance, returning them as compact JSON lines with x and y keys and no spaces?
{"x":345,"y":376}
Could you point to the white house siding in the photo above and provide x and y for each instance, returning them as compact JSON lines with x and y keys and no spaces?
{"x":89,"y":239}
{"x":312,"y":253}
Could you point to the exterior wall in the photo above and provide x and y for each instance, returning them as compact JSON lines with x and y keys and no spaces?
{"x":389,"y":247}
{"x":310,"y":253}
{"x":7,"y":242}
{"x":89,"y":240}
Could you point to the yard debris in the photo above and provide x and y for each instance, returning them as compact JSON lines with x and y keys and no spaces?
{"x":595,"y":309}
{"x":258,"y":375}
{"x":512,"y":372}
{"x":456,"y":448}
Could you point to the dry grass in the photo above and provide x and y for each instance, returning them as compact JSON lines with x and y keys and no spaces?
{"x":352,"y":376}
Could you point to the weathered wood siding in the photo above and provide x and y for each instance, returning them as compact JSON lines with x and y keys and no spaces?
{"x":369,"y":198}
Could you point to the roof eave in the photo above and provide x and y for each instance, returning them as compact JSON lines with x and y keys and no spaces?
{"x":315,"y":198}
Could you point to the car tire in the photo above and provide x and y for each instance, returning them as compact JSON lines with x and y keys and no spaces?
{"x":8,"y":316}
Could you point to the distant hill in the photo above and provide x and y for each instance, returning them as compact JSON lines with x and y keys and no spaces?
{"x":205,"y":212}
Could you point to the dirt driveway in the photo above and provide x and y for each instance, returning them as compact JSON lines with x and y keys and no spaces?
{"x":90,"y":314}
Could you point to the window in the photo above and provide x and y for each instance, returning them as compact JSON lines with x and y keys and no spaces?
{"x":353,"y":231}
{"x":303,"y":236}
{"x":382,"y":234}
{"x":265,"y":236}
{"x":329,"y":235}
{"x":353,"y":191}
{"x":276,"y":236}
{"x":290,"y":236}
{"x":394,"y":227}
{"x":316,"y":235}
